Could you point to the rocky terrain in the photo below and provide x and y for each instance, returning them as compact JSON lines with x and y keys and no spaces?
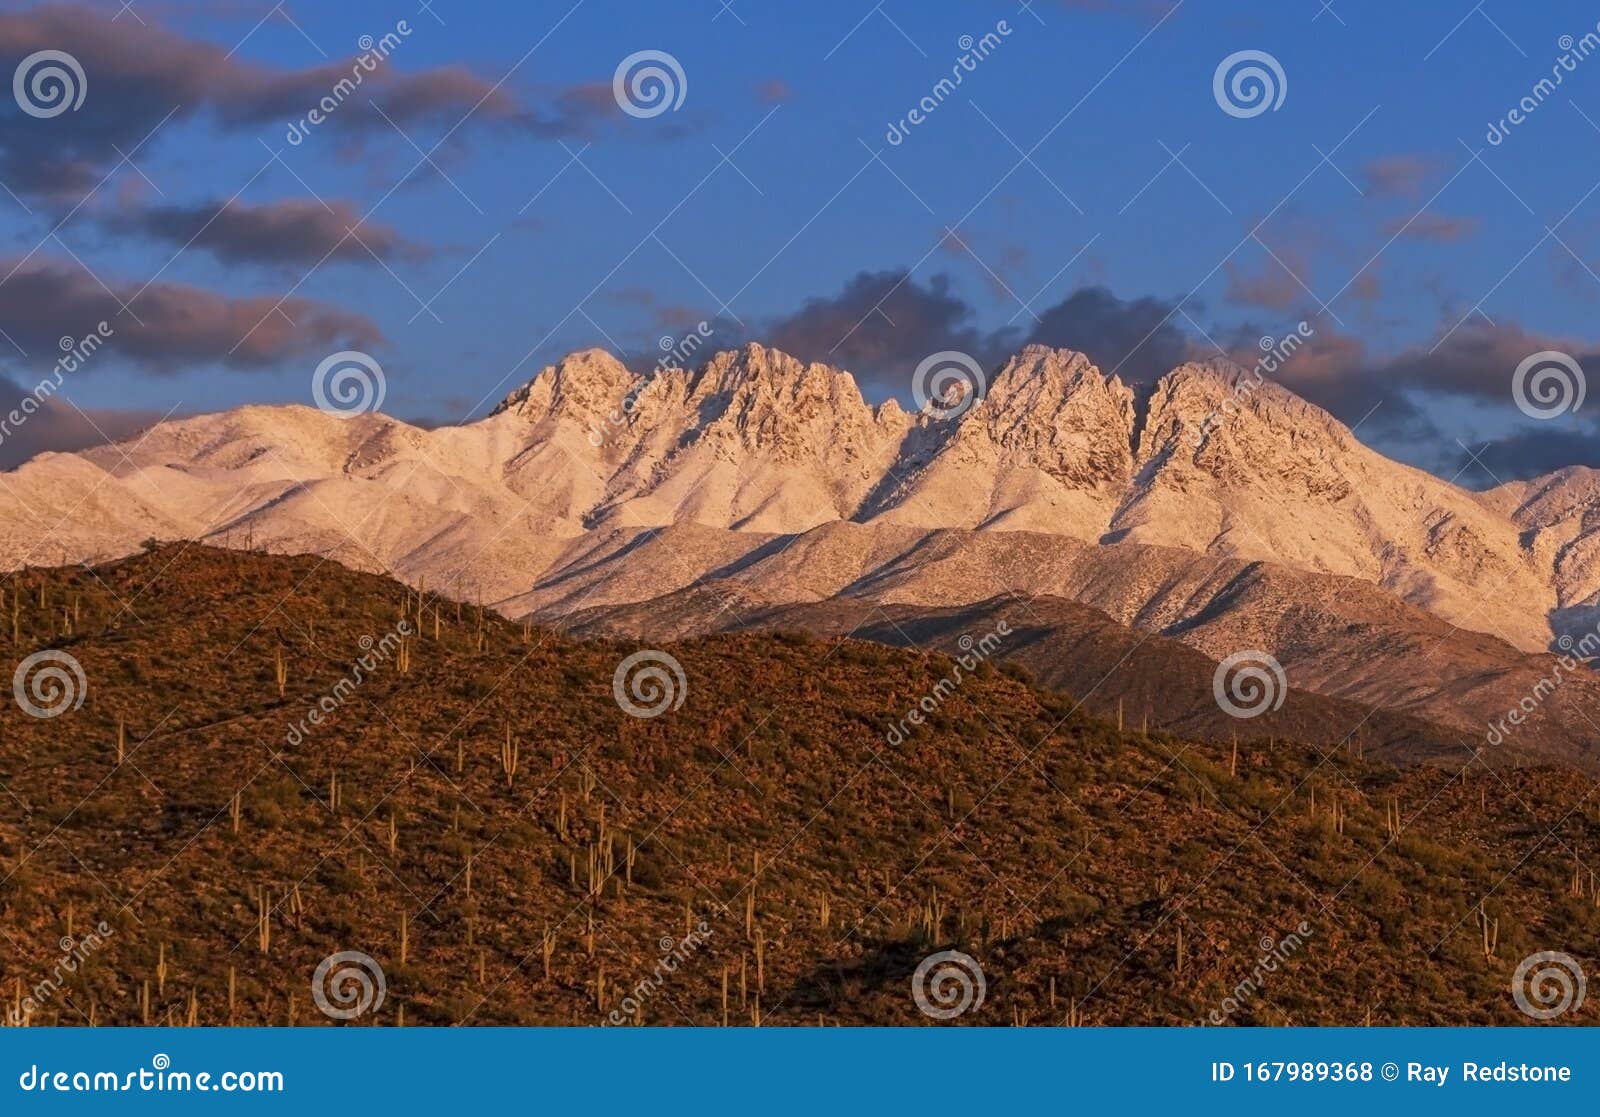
{"x":474,"y":823}
{"x":1215,"y":510}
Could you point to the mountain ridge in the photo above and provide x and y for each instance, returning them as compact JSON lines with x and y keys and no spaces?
{"x":1220,"y":510}
{"x":754,"y":440}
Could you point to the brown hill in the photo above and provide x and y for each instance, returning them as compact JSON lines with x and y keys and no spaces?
{"x":1150,"y":681}
{"x":226,"y":837}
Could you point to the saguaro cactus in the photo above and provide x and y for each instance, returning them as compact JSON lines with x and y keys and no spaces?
{"x":508,"y":759}
{"x":264,"y":920}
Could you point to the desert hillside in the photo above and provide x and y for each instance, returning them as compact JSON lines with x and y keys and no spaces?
{"x":480,"y":816}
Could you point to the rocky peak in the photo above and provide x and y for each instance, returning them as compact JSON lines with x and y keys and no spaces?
{"x":583,"y":384}
{"x":765,"y":399}
{"x":754,"y":370}
{"x":1213,"y":413}
{"x":1055,"y":409}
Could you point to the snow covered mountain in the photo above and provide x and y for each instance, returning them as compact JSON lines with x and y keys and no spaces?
{"x":592,"y":485}
{"x":1215,"y":509}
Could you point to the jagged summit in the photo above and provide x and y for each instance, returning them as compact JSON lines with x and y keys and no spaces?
{"x":753,"y":447}
{"x":589,"y":379}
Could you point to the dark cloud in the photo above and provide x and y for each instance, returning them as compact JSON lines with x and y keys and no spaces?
{"x":139,"y":76}
{"x":1415,"y":404}
{"x":1429,"y":225}
{"x":33,"y":421}
{"x":1527,"y":453}
{"x":1477,"y":361}
{"x":1330,"y":369}
{"x":1000,"y":264}
{"x":288,"y":232}
{"x":1271,"y":288}
{"x":881,"y":326}
{"x":1571,"y":273}
{"x":1366,"y":287}
{"x":1473,"y":364}
{"x":1398,"y":176}
{"x":1139,"y":338}
{"x":575,"y":111}
{"x":1411,"y":405}
{"x":169,"y":325}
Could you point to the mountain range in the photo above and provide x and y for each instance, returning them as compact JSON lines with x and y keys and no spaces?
{"x":1215,"y":510}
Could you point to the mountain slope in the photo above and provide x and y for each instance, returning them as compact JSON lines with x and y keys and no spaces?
{"x":756,"y":442}
{"x":1221,"y":511}
{"x":1109,"y":669}
{"x":1092,"y":876}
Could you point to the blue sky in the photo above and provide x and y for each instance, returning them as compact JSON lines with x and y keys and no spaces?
{"x":1082,"y":186}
